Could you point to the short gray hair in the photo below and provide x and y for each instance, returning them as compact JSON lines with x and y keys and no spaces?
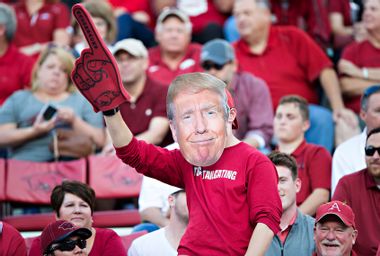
{"x":8,"y":19}
{"x":194,"y":83}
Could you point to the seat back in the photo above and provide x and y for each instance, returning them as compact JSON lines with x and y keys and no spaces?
{"x":111,"y":178}
{"x":2,"y":179}
{"x":32,"y":182}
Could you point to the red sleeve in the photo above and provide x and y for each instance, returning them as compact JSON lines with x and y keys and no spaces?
{"x":308,"y":53}
{"x":320,"y":169}
{"x":11,"y":242}
{"x":336,"y":5}
{"x":35,"y":249}
{"x":62,"y":16}
{"x":153,"y":161}
{"x":263,"y":199}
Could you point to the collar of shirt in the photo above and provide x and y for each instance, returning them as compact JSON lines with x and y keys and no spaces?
{"x":272,"y":42}
{"x":285,"y":232}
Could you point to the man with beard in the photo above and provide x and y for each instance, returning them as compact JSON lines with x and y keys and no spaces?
{"x":335,"y":231}
{"x":361,"y":191}
{"x":165,"y":241}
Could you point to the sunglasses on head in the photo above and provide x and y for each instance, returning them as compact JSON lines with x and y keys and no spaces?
{"x":371,"y":90}
{"x":69,"y":245}
{"x":211,"y":65}
{"x":370,"y":150}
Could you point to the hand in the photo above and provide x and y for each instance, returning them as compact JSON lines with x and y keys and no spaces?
{"x":41,"y":126}
{"x":66,"y":115}
{"x":95,"y":73}
{"x":348,"y":116}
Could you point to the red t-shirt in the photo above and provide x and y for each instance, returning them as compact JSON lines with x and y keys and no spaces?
{"x":225,"y":200}
{"x":290,"y":64}
{"x":107,"y":242}
{"x":11,"y":242}
{"x":16,"y":69}
{"x":359,"y":191}
{"x":314,"y":169}
{"x":160,"y":72}
{"x":361,"y":54}
{"x":151,"y":103}
{"x":40,"y":27}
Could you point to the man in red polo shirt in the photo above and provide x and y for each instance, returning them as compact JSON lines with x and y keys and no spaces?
{"x":314,"y":162}
{"x":145,"y":112}
{"x":360,"y":62}
{"x":174,"y":55}
{"x":16,"y":66}
{"x":335,"y":231}
{"x":291,"y":63}
{"x":361,"y":191}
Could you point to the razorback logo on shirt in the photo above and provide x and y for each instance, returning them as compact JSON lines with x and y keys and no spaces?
{"x":214,"y":174}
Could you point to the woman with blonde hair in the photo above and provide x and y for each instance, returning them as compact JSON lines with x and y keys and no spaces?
{"x":30,"y":118}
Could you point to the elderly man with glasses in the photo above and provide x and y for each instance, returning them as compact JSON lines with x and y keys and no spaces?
{"x":361,"y":191}
{"x":349,"y":156}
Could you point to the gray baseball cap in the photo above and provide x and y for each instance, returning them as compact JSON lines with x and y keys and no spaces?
{"x":217,"y":51}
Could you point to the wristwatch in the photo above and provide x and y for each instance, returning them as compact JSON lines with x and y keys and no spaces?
{"x":111,"y":112}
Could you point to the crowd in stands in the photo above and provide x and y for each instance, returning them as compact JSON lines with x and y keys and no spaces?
{"x":304,"y":79}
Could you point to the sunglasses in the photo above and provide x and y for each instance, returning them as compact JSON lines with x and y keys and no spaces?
{"x":69,"y":245}
{"x":210,"y":65}
{"x":370,"y":150}
{"x":371,"y":90}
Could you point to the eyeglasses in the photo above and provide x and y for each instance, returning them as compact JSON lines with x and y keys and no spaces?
{"x":69,"y":245}
{"x":211,"y":65}
{"x":370,"y":150}
{"x":371,"y":90}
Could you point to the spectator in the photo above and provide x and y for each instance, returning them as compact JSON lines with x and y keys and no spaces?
{"x":206,"y":16}
{"x":104,"y":20}
{"x":335,"y":231}
{"x":145,"y":113}
{"x":74,"y":201}
{"x":291,"y":63}
{"x":11,"y":242}
{"x":251,"y":95}
{"x":25,"y":130}
{"x":174,"y":54}
{"x":16,"y":66}
{"x":360,"y":61}
{"x":349,"y":157}
{"x":61,"y":237}
{"x":40,"y":22}
{"x":165,"y":241}
{"x":314,"y":162}
{"x":295,"y":226}
{"x":360,"y":190}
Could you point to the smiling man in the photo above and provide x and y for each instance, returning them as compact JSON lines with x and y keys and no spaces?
{"x":335,"y":232}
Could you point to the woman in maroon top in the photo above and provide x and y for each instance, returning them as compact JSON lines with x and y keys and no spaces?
{"x":74,"y":201}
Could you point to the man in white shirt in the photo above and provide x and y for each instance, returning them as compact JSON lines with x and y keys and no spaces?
{"x":349,"y":156}
{"x":165,"y":240}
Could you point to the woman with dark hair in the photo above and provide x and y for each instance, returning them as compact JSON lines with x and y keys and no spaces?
{"x":74,"y":201}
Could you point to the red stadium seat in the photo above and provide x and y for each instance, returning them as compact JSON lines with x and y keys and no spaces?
{"x":32,"y":182}
{"x":111,"y":178}
{"x":128,"y":239}
{"x":2,"y":179}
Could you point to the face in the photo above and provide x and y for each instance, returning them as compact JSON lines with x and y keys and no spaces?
{"x":52,"y":75}
{"x":76,"y":211}
{"x":371,"y":117}
{"x":373,"y":162}
{"x":131,"y":68}
{"x":333,"y":238}
{"x":371,"y":15}
{"x":225,"y":74}
{"x":288,"y":123}
{"x":76,"y":251}
{"x":199,"y":126}
{"x":287,"y":187}
{"x":101,"y":26}
{"x":173,"y":35}
{"x":180,"y":207}
{"x":250,"y":16}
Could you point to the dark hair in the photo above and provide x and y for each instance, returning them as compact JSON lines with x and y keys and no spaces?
{"x":284,"y":160}
{"x":81,"y":190}
{"x":301,"y":103}
{"x":366,"y":94}
{"x":373,"y":131}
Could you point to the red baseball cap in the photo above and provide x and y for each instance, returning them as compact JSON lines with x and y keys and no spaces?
{"x":337,"y":208}
{"x":231,"y":104}
{"x":60,"y":230}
